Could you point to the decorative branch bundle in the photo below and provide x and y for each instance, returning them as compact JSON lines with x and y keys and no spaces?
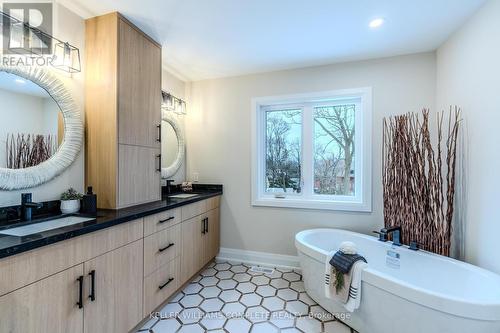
{"x":415,"y":195}
{"x":29,"y":150}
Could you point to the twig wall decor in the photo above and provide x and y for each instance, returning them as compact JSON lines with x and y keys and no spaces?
{"x":27,"y":150}
{"x":418,"y":189}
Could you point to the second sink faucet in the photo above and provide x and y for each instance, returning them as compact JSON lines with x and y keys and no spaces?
{"x":383,"y":235}
{"x":27,"y":206}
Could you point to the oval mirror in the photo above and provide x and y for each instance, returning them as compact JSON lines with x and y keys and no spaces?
{"x":41,"y":131}
{"x":172,"y":145}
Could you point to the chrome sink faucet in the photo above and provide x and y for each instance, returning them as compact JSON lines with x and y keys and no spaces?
{"x":27,"y":206}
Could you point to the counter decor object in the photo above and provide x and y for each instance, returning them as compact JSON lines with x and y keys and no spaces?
{"x":70,"y":201}
{"x":89,"y":202}
{"x":187,"y":187}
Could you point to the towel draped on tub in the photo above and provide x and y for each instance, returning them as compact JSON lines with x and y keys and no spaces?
{"x":349,"y":267}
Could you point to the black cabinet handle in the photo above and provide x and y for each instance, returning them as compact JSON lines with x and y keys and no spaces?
{"x":166,"y":247}
{"x":166,"y":220}
{"x":203,"y":228}
{"x":159,"y":162}
{"x":158,"y":139}
{"x":206,"y":225}
{"x":80,"y":292}
{"x":92,"y":285}
{"x":166,"y":283}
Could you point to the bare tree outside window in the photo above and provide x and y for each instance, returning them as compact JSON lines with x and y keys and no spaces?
{"x":283,"y":151}
{"x":334,"y":149}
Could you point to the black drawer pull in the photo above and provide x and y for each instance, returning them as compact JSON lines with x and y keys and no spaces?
{"x":158,"y":139}
{"x":92,"y":285}
{"x":159,"y":162}
{"x":166,"y":283}
{"x":166,"y":247}
{"x":203,"y":227}
{"x":166,"y":220}
{"x":80,"y":292}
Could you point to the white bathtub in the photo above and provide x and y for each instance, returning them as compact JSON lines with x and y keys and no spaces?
{"x":427,"y":293}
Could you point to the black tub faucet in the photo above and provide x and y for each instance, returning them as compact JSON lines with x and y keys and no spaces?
{"x":396,"y":238}
{"x":383,"y":235}
{"x":27,"y":206}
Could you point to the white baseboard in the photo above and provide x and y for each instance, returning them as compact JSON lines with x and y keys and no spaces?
{"x":258,"y":258}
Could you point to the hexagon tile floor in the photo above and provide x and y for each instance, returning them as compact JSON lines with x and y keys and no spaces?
{"x":232,"y":298}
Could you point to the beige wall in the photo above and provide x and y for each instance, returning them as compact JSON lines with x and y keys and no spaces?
{"x":68,"y":27}
{"x":468,"y":75}
{"x":218,"y":134}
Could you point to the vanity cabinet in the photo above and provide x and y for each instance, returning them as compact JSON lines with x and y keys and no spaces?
{"x":113,"y":290}
{"x":200,"y":236}
{"x":109,"y":280}
{"x":48,"y":305}
{"x":193,"y":246}
{"x":123,"y":112}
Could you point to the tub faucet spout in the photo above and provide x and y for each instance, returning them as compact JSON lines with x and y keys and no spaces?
{"x":396,"y":237}
{"x":383,"y":235}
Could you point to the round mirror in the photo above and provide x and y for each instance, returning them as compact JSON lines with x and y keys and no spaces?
{"x":172,"y":145}
{"x":35,"y":128}
{"x":42,"y":131}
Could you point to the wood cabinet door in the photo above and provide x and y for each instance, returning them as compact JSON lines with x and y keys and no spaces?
{"x":139,"y":176}
{"x":213,"y":242}
{"x":46,"y":306}
{"x":139,"y":88}
{"x":117,"y":289}
{"x":193,"y":246}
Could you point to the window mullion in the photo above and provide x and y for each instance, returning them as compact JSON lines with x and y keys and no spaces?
{"x":307,"y":152}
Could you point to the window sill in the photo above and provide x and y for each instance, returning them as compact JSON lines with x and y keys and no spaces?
{"x":353,"y":206}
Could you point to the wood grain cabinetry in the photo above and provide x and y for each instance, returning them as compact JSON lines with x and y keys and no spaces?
{"x":125,"y":272}
{"x":139,"y":175}
{"x":192,"y":246}
{"x":114,"y":290}
{"x":161,"y":284}
{"x":161,"y":247}
{"x":213,"y":234}
{"x":122,"y":110}
{"x":48,"y":305}
{"x":161,"y":221}
{"x":200,"y":238}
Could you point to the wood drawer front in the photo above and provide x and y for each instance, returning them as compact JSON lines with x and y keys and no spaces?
{"x":194,"y":209}
{"x":213,"y":203}
{"x":161,"y":247}
{"x":153,"y":295}
{"x":25,"y":268}
{"x":161,"y":221}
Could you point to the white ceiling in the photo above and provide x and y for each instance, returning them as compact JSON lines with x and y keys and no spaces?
{"x":214,"y":38}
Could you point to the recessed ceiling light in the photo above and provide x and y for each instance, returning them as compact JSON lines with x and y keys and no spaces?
{"x":20,"y":81}
{"x":376,"y":23}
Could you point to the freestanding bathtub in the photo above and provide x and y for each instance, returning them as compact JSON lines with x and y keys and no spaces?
{"x":419,"y":292}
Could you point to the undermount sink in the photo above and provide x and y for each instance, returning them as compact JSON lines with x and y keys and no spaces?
{"x":182,"y":196}
{"x":35,"y":228}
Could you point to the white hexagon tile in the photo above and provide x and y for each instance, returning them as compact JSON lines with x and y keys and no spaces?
{"x":231,"y":298}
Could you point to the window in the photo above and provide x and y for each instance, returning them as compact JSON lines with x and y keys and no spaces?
{"x":313,"y":151}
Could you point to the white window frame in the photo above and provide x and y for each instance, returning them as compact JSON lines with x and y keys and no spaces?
{"x":362,"y":200}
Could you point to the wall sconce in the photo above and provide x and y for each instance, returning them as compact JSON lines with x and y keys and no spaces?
{"x":66,"y":57}
{"x":173,"y":104}
{"x":25,"y":39}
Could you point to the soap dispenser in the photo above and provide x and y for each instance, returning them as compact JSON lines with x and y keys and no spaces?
{"x":89,"y":202}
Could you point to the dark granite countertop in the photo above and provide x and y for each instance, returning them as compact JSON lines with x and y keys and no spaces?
{"x":11,"y":245}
